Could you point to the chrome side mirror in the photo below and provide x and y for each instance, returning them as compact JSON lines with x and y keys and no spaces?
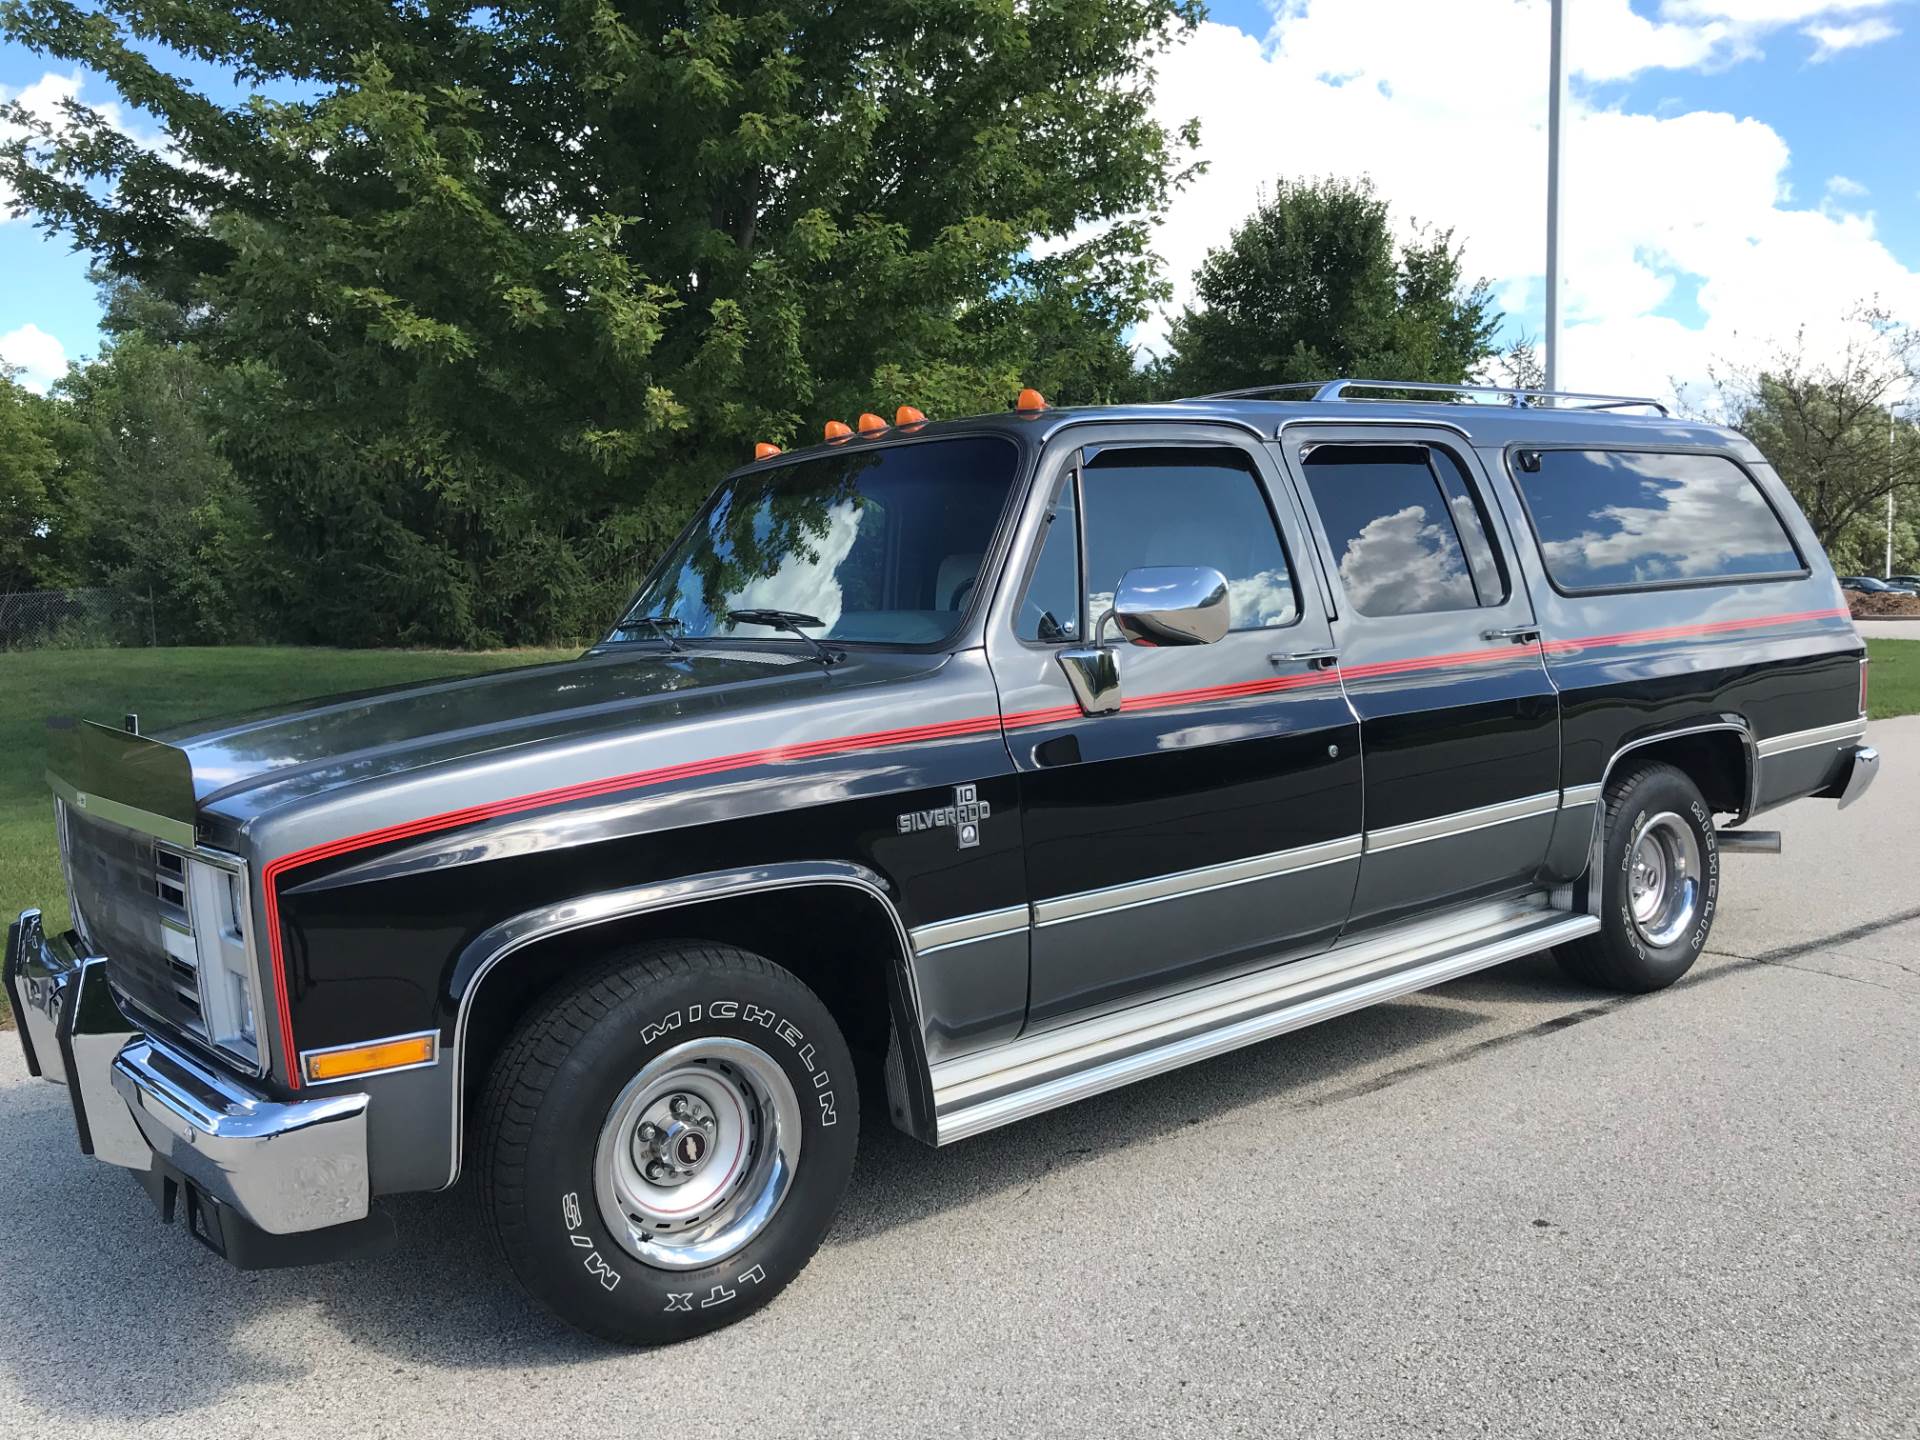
{"x":1156,"y":605}
{"x":1172,"y":605}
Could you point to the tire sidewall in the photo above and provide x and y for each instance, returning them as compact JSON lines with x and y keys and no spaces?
{"x":569,"y":1256}
{"x":1662,"y":791}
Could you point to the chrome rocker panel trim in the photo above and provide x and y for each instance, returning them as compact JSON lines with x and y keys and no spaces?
{"x":1182,"y":883}
{"x":1806,"y":739}
{"x":1461,"y":822}
{"x":1056,"y":1067}
{"x":285,"y":1168}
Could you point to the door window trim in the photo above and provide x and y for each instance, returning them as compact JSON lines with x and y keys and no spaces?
{"x":1074,"y":461}
{"x":1403,"y":433}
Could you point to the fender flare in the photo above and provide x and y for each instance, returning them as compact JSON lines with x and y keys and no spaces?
{"x":583,"y":912}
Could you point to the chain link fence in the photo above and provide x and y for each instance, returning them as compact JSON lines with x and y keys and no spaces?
{"x":73,"y":619}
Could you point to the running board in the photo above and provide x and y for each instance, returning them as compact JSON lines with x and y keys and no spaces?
{"x":1056,"y":1067}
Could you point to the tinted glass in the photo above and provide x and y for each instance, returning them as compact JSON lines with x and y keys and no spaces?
{"x":1185,"y":507}
{"x":1051,"y":609}
{"x":1610,"y":518}
{"x":879,"y":545}
{"x":1470,"y":520}
{"x":1391,"y":529}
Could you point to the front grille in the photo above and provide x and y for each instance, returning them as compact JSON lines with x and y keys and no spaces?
{"x":130,"y":905}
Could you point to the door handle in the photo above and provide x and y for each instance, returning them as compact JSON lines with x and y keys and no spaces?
{"x":1324,"y":658}
{"x":1518,"y":634}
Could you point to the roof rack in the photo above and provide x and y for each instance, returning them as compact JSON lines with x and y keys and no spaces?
{"x":1454,"y":394}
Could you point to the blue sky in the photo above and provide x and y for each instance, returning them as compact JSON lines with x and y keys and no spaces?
{"x":1734,"y":175}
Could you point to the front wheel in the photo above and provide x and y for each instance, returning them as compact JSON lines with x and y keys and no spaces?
{"x":1659,"y":882}
{"x":666,"y":1142}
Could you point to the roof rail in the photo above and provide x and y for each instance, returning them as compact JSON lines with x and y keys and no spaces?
{"x":1320,"y":390}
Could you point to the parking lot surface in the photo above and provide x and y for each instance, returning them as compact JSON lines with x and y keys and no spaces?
{"x":1508,"y":1207}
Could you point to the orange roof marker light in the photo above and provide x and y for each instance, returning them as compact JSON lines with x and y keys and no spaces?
{"x":838,"y":430}
{"x":907,"y":415}
{"x":765,"y":450}
{"x":871,"y":424}
{"x":1030,"y":399}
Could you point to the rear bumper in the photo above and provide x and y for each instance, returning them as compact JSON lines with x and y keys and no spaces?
{"x":262,"y":1165}
{"x":1862,"y":767}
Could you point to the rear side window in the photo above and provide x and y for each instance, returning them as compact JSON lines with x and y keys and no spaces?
{"x":1405,"y":529}
{"x":1623,"y":519}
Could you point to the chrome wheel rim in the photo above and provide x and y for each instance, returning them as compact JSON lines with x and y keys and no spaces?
{"x":698,"y":1152}
{"x":1663,"y":878}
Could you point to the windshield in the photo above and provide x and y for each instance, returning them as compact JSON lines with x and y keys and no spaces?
{"x":878,"y":545}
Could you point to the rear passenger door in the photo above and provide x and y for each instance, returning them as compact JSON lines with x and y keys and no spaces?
{"x":1212,"y":823}
{"x":1441,"y":661}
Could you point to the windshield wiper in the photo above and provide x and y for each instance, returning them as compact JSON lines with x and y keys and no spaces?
{"x":662,"y":626}
{"x":788,"y":620}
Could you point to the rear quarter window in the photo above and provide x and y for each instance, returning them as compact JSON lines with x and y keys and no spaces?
{"x":1632,"y":519}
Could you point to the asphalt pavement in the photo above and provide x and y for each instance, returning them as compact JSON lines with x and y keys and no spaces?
{"x":1509,"y":1207}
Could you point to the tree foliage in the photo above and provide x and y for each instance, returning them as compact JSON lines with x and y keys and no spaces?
{"x":161,"y":518}
{"x":1841,"y":429}
{"x":38,"y":537}
{"x":1314,"y":285}
{"x":501,"y":294}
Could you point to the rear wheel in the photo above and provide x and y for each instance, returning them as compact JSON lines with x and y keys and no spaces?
{"x":1660,"y":884}
{"x":666,"y":1142}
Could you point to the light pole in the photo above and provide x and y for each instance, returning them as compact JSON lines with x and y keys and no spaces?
{"x":1556,"y":141}
{"x":1891,"y":467}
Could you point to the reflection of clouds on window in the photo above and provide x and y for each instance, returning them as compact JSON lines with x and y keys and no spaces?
{"x":1617,"y":518}
{"x":1261,"y":600}
{"x":806,"y":581}
{"x":1404,"y":562}
{"x":1486,"y":571}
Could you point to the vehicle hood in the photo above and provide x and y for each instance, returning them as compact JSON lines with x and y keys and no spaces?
{"x":251,"y":764}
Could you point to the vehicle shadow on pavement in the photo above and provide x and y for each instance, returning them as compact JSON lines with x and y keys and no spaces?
{"x":141,"y":1322}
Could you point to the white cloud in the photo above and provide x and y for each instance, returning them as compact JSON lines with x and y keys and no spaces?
{"x":1830,"y":40}
{"x":41,"y":357}
{"x":1445,"y":107}
{"x":1844,"y":187}
{"x":45,"y":100}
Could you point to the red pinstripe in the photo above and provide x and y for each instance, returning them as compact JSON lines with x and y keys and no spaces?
{"x":913,"y":734}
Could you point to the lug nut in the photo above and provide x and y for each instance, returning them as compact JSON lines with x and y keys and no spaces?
{"x":678,"y":1105}
{"x":649,"y":1132}
{"x":706,"y":1122}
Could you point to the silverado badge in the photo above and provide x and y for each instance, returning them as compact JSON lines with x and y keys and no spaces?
{"x":965,"y":814}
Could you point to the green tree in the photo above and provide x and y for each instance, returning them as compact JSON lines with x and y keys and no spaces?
{"x":39,"y":531}
{"x":163,"y":519}
{"x":1313,"y":286}
{"x":503,"y":294}
{"x":1841,"y":429}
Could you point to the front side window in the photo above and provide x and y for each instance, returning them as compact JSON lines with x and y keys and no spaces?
{"x":1394,"y":526}
{"x":1620,"y":519}
{"x":883,"y":546}
{"x":1185,"y":506}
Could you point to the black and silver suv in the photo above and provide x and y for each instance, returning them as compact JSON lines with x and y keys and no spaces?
{"x":988,"y":764}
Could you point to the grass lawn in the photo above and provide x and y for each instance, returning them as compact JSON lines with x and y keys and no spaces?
{"x":1893,"y":686}
{"x":164,"y":687}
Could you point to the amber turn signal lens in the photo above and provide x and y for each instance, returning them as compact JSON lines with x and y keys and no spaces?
{"x":1030,"y":399}
{"x":837,"y":430}
{"x":871,"y":424}
{"x":907,"y":415}
{"x":366,"y":1059}
{"x":765,"y":450}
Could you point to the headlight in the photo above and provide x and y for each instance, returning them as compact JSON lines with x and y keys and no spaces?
{"x":218,"y":906}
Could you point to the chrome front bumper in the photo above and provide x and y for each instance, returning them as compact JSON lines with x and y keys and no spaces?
{"x":282,"y":1167}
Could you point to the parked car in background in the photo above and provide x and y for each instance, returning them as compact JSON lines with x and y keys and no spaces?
{"x":1908,"y":582}
{"x":1872,"y":585}
{"x":1019,"y":756}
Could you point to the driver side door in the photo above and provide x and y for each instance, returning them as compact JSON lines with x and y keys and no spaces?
{"x":1212,"y":823}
